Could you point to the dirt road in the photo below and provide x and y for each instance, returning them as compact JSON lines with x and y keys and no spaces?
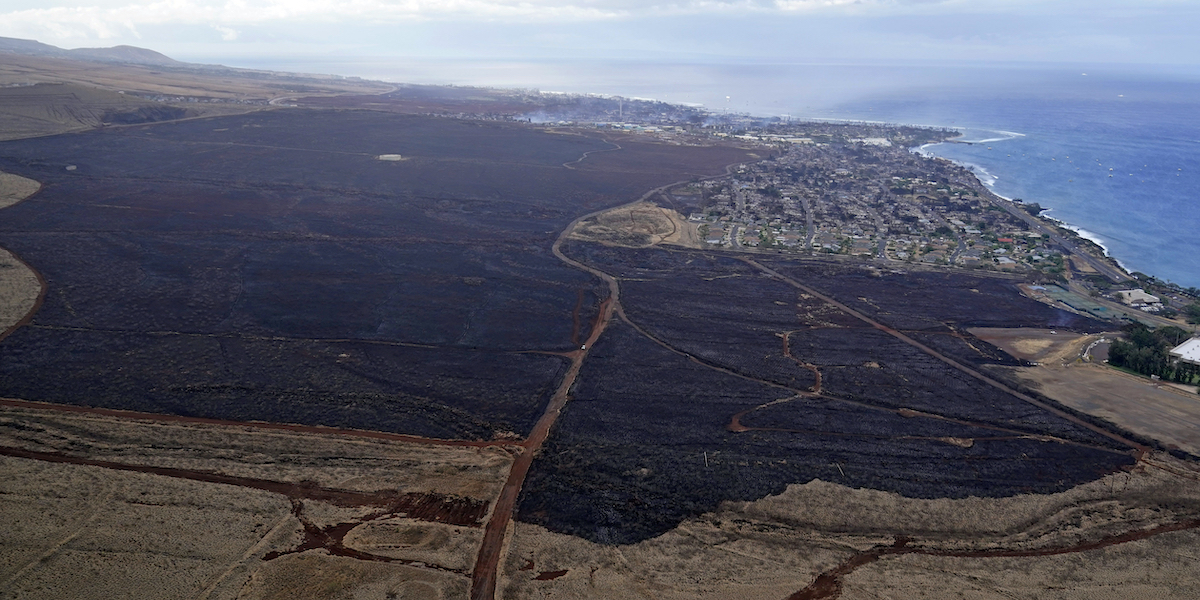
{"x":491,"y":551}
{"x":1136,"y":448}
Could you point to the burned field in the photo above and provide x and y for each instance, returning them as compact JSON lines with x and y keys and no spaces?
{"x":729,"y":383}
{"x":270,"y":267}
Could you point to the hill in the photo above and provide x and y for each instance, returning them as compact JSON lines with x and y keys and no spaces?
{"x":46,"y":90}
{"x":116,"y":54}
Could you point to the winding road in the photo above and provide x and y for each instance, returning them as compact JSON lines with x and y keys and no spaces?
{"x":495,"y":533}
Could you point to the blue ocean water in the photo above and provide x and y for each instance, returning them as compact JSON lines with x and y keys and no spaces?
{"x":1114,"y":152}
{"x":1116,"y":158}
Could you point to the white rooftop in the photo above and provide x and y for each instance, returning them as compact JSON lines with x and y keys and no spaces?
{"x":1188,"y":351}
{"x":1138,"y":296}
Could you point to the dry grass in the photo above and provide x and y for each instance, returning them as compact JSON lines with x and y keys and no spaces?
{"x":345,"y":462}
{"x":82,"y":532}
{"x":19,"y":286}
{"x":638,"y":225}
{"x":76,"y":95}
{"x":91,"y":532}
{"x":1153,"y":409}
{"x":450,"y":546}
{"x":1036,"y":345}
{"x":1162,"y":567}
{"x":223,"y":83}
{"x":14,"y":188}
{"x":774,"y":547}
{"x":19,"y":290}
{"x":312,"y":576}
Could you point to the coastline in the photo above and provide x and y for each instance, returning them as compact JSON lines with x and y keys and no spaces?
{"x":1085,"y":234}
{"x":988,"y":180}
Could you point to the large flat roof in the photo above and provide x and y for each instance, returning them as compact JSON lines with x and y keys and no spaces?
{"x":1188,"y":351}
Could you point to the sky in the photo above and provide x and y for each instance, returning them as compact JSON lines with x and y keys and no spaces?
{"x":1161,"y":32}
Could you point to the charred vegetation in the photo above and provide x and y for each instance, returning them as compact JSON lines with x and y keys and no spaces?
{"x":695,"y":402}
{"x":270,"y":267}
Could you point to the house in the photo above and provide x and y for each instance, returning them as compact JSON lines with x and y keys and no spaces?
{"x":1136,"y":297}
{"x":1005,"y":262}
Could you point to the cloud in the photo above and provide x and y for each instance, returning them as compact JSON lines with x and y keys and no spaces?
{"x":228,"y":34}
{"x":772,"y":29}
{"x":113,"y":18}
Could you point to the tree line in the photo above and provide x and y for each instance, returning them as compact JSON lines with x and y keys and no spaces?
{"x":1147,"y":351}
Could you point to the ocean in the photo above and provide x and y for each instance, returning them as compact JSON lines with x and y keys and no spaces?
{"x":1113,"y":152}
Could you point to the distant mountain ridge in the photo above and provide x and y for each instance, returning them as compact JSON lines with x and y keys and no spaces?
{"x":115,"y":54}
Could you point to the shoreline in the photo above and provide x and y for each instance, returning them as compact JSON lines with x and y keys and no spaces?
{"x":990,"y":181}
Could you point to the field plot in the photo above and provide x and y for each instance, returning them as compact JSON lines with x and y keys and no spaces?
{"x":638,"y":225}
{"x":1160,"y":412}
{"x":729,"y":384}
{"x":1048,"y":346}
{"x":269,"y":267}
{"x":106,"y":507}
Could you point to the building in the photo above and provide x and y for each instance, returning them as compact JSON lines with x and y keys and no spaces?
{"x":1188,"y":352}
{"x":1136,"y":297}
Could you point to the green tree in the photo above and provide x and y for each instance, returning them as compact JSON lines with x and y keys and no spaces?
{"x":1192,"y":312}
{"x":1147,"y":351}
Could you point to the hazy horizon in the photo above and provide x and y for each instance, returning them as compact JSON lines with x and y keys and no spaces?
{"x":1155,"y":32}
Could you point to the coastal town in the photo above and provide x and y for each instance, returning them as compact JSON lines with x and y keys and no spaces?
{"x":867,"y":195}
{"x":869,"y":191}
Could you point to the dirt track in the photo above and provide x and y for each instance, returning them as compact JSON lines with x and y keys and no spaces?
{"x":1138,"y":449}
{"x":491,"y":551}
{"x":165,"y":418}
{"x":1097,"y":540}
{"x":426,"y":507}
{"x":483,"y":577}
{"x":828,"y":585}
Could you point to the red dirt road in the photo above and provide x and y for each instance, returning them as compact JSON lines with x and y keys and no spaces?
{"x":487,"y":564}
{"x":438,"y":508}
{"x":828,"y":585}
{"x":491,"y":551}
